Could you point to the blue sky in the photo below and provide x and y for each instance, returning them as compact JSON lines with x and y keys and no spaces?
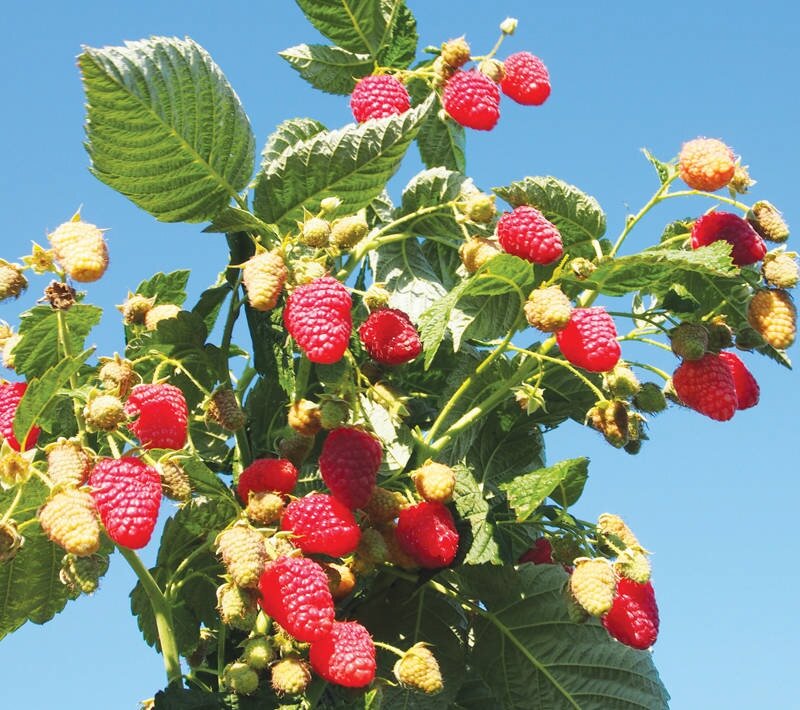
{"x":715,"y":502}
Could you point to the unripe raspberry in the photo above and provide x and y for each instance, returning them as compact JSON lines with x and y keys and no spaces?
{"x":608,"y":525}
{"x":237,"y":607}
{"x":264,"y":507}
{"x":82,"y":574}
{"x":493,"y":69}
{"x":8,"y":350}
{"x":548,"y":309}
{"x":175,"y":482}
{"x":307,"y":270}
{"x":582,"y":268}
{"x":69,"y":519}
{"x":384,"y":505}
{"x":198,"y":655}
{"x":622,"y":382}
{"x":341,"y":579}
{"x":12,"y":280}
{"x":333,"y":413}
{"x":418,"y":669}
{"x":161,"y":312}
{"x":117,"y":375}
{"x":315,"y":232}
{"x":258,"y":653}
{"x":67,"y":463}
{"x":706,"y":164}
{"x":10,"y":540}
{"x":478,"y":207}
{"x":576,"y":613}
{"x":741,"y":182}
{"x":768,"y":221}
{"x":290,"y":676}
{"x":81,"y":250}
{"x":243,"y":554}
{"x":720,"y":335}
{"x":6,"y":331}
{"x":263,"y":276}
{"x":304,"y":417}
{"x":611,"y":419}
{"x":15,"y":467}
{"x":135,"y":308}
{"x":295,"y":447}
{"x":689,"y":341}
{"x":349,"y":231}
{"x":566,"y":549}
{"x":372,"y":547}
{"x":773,"y":315}
{"x":780,"y":269}
{"x":240,"y":678}
{"x":633,"y":564}
{"x":442,"y":71}
{"x":104,"y":412}
{"x":476,"y":251}
{"x":593,"y":584}
{"x":455,"y":52}
{"x":224,"y":409}
{"x":434,"y":482}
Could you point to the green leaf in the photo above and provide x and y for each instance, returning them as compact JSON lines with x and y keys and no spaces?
{"x":363,"y":27}
{"x":506,"y":449}
{"x":165,"y":128}
{"x":330,"y":69}
{"x":533,"y":657}
{"x":395,"y":437}
{"x":210,"y":302}
{"x":528,"y":491}
{"x":42,"y":391}
{"x":39,"y":348}
{"x":353,"y":163}
{"x":166,"y":288}
{"x":577,"y":215}
{"x":402,"y":47}
{"x":478,"y":534}
{"x":235,"y":219}
{"x":431,"y":190}
{"x":31,"y":588}
{"x":442,"y":141}
{"x":287,"y":135}
{"x":665,"y":171}
{"x":656,"y":270}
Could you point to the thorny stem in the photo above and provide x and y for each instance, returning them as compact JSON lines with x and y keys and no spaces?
{"x":163,"y":616}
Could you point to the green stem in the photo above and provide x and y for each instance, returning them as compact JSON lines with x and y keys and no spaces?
{"x":162,"y":613}
{"x":565,"y":365}
{"x":699,"y":193}
{"x":659,"y":195}
{"x":63,"y":341}
{"x":17,"y":498}
{"x":221,"y":633}
{"x":648,"y":341}
{"x":651,"y":368}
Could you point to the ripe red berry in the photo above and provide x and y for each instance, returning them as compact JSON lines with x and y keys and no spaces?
{"x":317,"y":316}
{"x":10,"y":395}
{"x":472,"y":99}
{"x":346,"y":656}
{"x":378,"y":97}
{"x":427,"y":533}
{"x":277,"y":475}
{"x":127,"y":493}
{"x":161,"y":416}
{"x":321,"y":524}
{"x":526,"y":79}
{"x":633,"y":617}
{"x":748,"y":246}
{"x":349,"y":464}
{"x":295,"y":592}
{"x":590,"y":340}
{"x":747,"y":389}
{"x":707,"y":386}
{"x":390,"y":337}
{"x":541,"y":553}
{"x":527,"y":233}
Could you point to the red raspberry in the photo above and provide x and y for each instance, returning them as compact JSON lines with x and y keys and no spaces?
{"x":127,"y":493}
{"x":317,"y":316}
{"x":540,"y":554}
{"x":472,"y":99}
{"x":427,"y":533}
{"x":378,"y":97}
{"x":10,"y":395}
{"x":390,"y":337}
{"x":278,"y":475}
{"x":295,"y":592}
{"x":162,"y":416}
{"x":707,"y":386}
{"x":349,"y":464}
{"x":748,"y":246}
{"x":747,"y":389}
{"x":633,"y":617}
{"x":346,"y":656}
{"x":590,"y":340}
{"x":321,"y":524}
{"x":526,"y":79}
{"x":528,"y":234}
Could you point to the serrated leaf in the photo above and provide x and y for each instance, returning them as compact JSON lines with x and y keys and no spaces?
{"x":526,"y":641}
{"x":442,"y":141}
{"x":287,"y":135}
{"x":41,"y":391}
{"x":528,"y":491}
{"x":665,"y":171}
{"x":166,"y":288}
{"x":431,"y":189}
{"x":401,"y":48}
{"x":235,"y":219}
{"x":502,"y":452}
{"x":353,"y":164}
{"x":165,"y":128}
{"x":395,"y":436}
{"x":330,"y":69}
{"x":39,"y":348}
{"x":477,"y":531}
{"x":577,"y":215}
{"x":210,"y":302}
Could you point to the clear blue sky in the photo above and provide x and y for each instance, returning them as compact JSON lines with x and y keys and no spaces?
{"x":715,"y":502}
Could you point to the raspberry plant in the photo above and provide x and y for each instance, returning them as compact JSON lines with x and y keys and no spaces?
{"x":364,"y":516}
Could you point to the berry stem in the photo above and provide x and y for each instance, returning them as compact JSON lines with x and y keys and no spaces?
{"x":11,"y":508}
{"x":564,"y":364}
{"x":66,"y":346}
{"x":162,"y":613}
{"x":712,"y":196}
{"x":389,"y":647}
{"x":651,"y":368}
{"x":648,"y":341}
{"x":221,"y":634}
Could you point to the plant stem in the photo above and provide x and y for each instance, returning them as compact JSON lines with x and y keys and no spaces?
{"x":63,"y":341}
{"x":162,"y":613}
{"x":699,"y":193}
